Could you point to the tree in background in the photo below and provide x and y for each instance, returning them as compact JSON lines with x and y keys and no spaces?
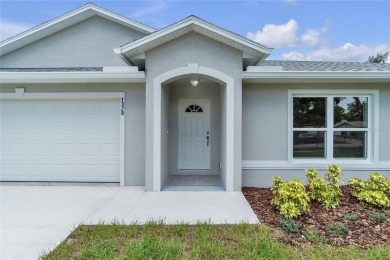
{"x":379,"y":58}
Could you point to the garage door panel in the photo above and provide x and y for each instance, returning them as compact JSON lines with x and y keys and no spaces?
{"x":65,"y":109}
{"x":42,"y":170}
{"x":59,"y":140}
{"x":108,"y":109}
{"x":42,"y":149}
{"x":42,"y":128}
{"x":108,"y":171}
{"x":87,"y":128}
{"x":87,"y":109}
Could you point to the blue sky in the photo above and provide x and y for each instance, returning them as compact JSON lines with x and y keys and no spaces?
{"x":348,"y":30}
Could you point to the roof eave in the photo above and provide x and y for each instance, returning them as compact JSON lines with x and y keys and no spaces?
{"x":72,"y":77}
{"x":317,"y":77}
{"x":6,"y":46}
{"x":135,"y":48}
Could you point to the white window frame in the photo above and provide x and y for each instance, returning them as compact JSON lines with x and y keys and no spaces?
{"x":372,"y":129}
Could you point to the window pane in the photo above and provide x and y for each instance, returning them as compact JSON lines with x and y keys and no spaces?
{"x":309,"y":144}
{"x":309,"y":112}
{"x":350,"y":112}
{"x":348,"y":144}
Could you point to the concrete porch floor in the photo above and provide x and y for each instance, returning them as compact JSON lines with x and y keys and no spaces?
{"x":37,"y":218}
{"x":194,"y":183}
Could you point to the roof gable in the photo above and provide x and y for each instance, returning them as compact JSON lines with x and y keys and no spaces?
{"x":71,"y":18}
{"x":133,"y":52}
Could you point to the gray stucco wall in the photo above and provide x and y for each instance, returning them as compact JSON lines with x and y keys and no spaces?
{"x":193,"y":48}
{"x":134,"y":119}
{"x":87,"y":44}
{"x":265,"y":130}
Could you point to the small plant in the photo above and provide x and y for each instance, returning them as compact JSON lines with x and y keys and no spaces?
{"x":289,"y":225}
{"x":350,"y":216}
{"x":314,"y":235}
{"x":339,"y":229}
{"x":326,"y":191}
{"x":374,"y":191}
{"x":378,"y":215}
{"x":290,"y":197}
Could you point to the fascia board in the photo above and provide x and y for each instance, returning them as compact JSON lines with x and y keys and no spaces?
{"x":72,"y":77}
{"x":287,"y":77}
{"x":234,"y":37}
{"x":190,"y":22}
{"x":70,"y":18}
{"x":318,"y":75}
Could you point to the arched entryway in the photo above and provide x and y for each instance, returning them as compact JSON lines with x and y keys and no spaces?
{"x":160,"y":117}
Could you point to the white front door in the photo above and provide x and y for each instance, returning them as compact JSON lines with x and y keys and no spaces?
{"x":194,"y":134}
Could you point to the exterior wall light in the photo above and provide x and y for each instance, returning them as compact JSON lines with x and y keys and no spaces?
{"x":194,"y":82}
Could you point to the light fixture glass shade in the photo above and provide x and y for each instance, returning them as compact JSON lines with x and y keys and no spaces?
{"x":194,"y":82}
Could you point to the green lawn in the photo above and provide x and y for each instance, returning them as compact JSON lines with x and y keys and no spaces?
{"x":202,"y":241}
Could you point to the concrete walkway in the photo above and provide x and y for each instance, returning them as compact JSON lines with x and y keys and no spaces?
{"x":37,"y":218}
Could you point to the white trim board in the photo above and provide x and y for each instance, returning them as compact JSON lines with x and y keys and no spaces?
{"x":193,"y":23}
{"x":120,"y":96}
{"x":285,"y":165}
{"x":73,"y":77}
{"x":67,"y":20}
{"x":316,"y":77}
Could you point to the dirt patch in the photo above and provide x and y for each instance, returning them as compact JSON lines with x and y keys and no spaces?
{"x":364,"y":232}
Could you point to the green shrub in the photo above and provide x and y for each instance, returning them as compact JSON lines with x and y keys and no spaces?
{"x":314,"y":235}
{"x":325,"y":191}
{"x":378,"y":215}
{"x":350,"y":216}
{"x":336,"y":229}
{"x":290,"y":197}
{"x":289,"y":225}
{"x":374,"y":191}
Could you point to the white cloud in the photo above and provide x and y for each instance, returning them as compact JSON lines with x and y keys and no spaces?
{"x":286,"y":35}
{"x":156,"y":7}
{"x":9,"y":29}
{"x":277,"y":36}
{"x":346,"y":52}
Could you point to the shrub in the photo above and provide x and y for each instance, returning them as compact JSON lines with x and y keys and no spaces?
{"x":314,"y":235}
{"x":290,"y":197}
{"x":336,"y":230}
{"x":289,"y":225}
{"x":374,"y":191}
{"x":350,"y":216}
{"x":325,"y":191}
{"x":378,"y":215}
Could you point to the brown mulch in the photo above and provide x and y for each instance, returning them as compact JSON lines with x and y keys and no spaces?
{"x":363,"y":232}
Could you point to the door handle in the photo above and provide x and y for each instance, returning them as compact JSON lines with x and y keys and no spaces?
{"x":208,"y":140}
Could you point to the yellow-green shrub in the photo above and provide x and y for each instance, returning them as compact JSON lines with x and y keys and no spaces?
{"x":290,"y":197}
{"x":325,"y":191}
{"x":374,"y":191}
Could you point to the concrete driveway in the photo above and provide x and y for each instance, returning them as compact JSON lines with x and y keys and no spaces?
{"x":37,"y":218}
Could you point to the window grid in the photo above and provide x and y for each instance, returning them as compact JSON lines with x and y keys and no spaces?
{"x":330,"y":129}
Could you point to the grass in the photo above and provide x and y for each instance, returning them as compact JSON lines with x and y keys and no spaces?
{"x":155,"y":240}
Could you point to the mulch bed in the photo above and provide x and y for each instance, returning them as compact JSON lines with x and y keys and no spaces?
{"x":364,"y":232}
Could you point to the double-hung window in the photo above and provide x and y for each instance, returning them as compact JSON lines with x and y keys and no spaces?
{"x":331,"y":125}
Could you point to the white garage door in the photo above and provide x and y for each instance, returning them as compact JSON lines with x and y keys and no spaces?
{"x":60,"y":140}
